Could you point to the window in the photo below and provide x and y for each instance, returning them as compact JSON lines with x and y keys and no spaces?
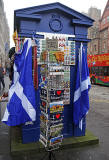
{"x":105,"y":34}
{"x":107,"y":18}
{"x":103,"y":21}
{"x":95,"y":70}
{"x":106,"y":71}
{"x":95,"y":48}
{"x":100,"y":71}
{"x":104,"y":46}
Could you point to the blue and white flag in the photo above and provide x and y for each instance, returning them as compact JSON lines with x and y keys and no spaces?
{"x":21,"y":105}
{"x":82,"y":86}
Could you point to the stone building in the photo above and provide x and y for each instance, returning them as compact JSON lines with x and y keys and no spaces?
{"x":93,"y":32}
{"x":99,"y":32}
{"x":4,"y":35}
{"x":104,"y":30}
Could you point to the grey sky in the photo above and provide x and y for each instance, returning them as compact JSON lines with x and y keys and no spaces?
{"x":78,"y":5}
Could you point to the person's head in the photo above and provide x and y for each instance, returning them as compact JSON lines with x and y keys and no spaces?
{"x":11,"y":54}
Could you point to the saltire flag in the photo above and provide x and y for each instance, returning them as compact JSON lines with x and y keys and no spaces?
{"x":21,"y":105}
{"x":82,"y":86}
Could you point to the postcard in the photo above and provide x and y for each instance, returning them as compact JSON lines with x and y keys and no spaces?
{"x":44,"y":118}
{"x":56,"y":130}
{"x":56,"y":140}
{"x":56,"y":106}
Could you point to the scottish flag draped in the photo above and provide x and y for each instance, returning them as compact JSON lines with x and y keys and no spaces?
{"x":21,"y":105}
{"x":82,"y":86}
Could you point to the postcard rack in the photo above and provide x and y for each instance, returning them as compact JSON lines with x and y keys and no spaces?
{"x":51,"y":103}
{"x":56,"y":55}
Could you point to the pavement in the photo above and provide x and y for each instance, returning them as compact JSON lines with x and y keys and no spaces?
{"x":97,"y":123}
{"x":4,"y":129}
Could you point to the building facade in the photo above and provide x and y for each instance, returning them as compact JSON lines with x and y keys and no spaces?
{"x":93,"y":32}
{"x":99,"y":32}
{"x":104,"y":30}
{"x":4,"y":35}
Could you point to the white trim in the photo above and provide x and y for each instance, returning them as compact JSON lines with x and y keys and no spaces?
{"x":50,"y":35}
{"x":83,"y":86}
{"x":16,"y":79}
{"x":6,"y":115}
{"x":81,"y":124}
{"x":29,"y":45}
{"x":77,"y":94}
{"x":25,"y":102}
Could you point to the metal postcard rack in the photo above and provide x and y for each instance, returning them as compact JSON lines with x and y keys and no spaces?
{"x":56,"y":56}
{"x":52,"y":104}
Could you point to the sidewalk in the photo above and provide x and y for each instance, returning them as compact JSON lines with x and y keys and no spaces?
{"x":4,"y":130}
{"x":95,"y":123}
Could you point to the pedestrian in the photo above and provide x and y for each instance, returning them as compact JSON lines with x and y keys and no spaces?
{"x":2,"y":77}
{"x":11,"y":53}
{"x":11,"y":57}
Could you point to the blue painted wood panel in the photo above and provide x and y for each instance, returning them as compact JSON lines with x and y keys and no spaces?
{"x":44,"y":24}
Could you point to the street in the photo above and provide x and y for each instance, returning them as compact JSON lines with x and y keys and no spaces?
{"x":97,"y":123}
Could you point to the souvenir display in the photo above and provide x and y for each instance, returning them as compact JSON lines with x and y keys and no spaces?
{"x":56,"y":95}
{"x":51,"y":93}
{"x":19,"y":45}
{"x":18,"y":42}
{"x":69,"y":53}
{"x":57,"y":53}
{"x":60,"y":48}
{"x":66,"y":85}
{"x":56,"y":140}
{"x":56,"y":107}
{"x":55,"y":130}
{"x":43,"y":106}
{"x":56,"y":118}
{"x":35,"y":64}
{"x":44,"y":118}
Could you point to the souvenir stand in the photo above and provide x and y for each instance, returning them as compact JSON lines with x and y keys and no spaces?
{"x":57,"y":32}
{"x":55,"y":86}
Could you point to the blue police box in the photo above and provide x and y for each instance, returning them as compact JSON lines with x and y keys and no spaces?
{"x":54,"y":18}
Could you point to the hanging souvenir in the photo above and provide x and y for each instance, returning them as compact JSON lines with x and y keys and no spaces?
{"x":35,"y":64}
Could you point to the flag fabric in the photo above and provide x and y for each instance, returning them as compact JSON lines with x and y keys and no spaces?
{"x":82,"y":86}
{"x":21,"y":105}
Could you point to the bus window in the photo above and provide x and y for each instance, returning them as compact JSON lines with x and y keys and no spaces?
{"x":105,"y":71}
{"x":93,"y":70}
{"x":101,"y":71}
{"x":108,"y":71}
{"x":96,"y":70}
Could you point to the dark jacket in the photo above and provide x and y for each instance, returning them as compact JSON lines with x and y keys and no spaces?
{"x":1,"y":72}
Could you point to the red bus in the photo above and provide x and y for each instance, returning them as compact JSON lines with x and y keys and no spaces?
{"x":99,"y":68}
